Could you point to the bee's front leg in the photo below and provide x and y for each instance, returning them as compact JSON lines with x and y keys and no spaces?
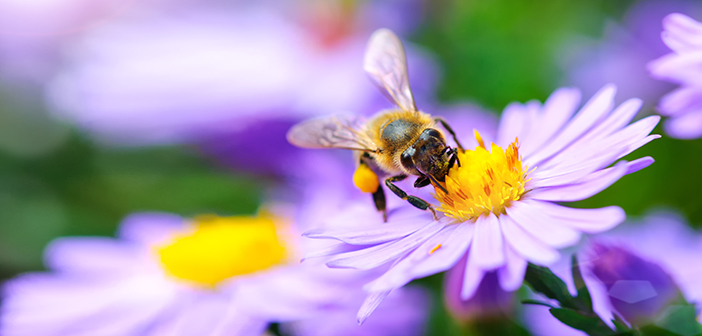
{"x":450,"y":130}
{"x":414,"y":200}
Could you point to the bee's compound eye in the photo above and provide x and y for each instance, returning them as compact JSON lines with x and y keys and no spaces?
{"x":430,"y":132}
{"x":406,"y":158}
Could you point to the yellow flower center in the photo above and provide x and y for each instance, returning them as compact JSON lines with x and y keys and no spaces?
{"x":486,"y":181}
{"x":219,"y":248}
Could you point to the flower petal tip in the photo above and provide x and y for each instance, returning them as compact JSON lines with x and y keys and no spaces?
{"x":639,"y":164}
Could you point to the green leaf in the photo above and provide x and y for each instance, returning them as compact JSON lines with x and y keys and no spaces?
{"x":680,"y":319}
{"x":536,"y":302}
{"x":619,"y":323}
{"x":592,"y":325}
{"x":542,"y":280}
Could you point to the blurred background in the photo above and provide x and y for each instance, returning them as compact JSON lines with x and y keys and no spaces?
{"x":109,"y":107}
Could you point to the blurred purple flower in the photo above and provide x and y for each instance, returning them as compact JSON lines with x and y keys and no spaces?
{"x":207,"y":72}
{"x":638,"y":289}
{"x":31,"y":32}
{"x":560,"y":156}
{"x":489,"y":301}
{"x":402,"y":314}
{"x":621,"y":56}
{"x":229,"y":79}
{"x":652,"y":259}
{"x":155,"y":280}
{"x":683,"y":66}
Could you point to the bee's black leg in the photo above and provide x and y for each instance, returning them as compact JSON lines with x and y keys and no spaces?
{"x":422,"y":181}
{"x":449,"y":129}
{"x":454,"y":158}
{"x":379,"y":194}
{"x":414,"y":200}
{"x":380,"y":203}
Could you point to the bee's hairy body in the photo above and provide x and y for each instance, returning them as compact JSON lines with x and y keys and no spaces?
{"x":399,"y":142}
{"x":394,"y":131}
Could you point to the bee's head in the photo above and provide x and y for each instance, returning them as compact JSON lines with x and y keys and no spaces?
{"x":429,"y":155}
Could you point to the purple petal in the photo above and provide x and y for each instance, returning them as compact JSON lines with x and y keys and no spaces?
{"x":451,"y":250}
{"x":594,"y":110}
{"x":526,"y":245}
{"x":592,"y":185}
{"x":639,"y":164}
{"x":42,"y":304}
{"x":687,"y":126}
{"x":488,"y":247}
{"x":681,"y":100}
{"x":682,"y":33}
{"x":369,"y":234}
{"x":471,"y":279}
{"x":402,"y":272}
{"x":631,"y":134}
{"x":678,"y":68}
{"x":91,"y":254}
{"x":558,"y":108}
{"x":573,"y":171}
{"x":336,"y":248}
{"x":286,"y":293}
{"x":380,"y":254}
{"x":541,"y":226}
{"x":511,"y":275}
{"x":369,"y":305}
{"x":512,"y":124}
{"x":150,"y":228}
{"x":618,"y":119}
{"x":574,"y":161}
{"x":238,"y":323}
{"x":585,"y":220}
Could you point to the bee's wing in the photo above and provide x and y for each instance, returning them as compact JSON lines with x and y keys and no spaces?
{"x":340,"y":131}
{"x":386,"y":64}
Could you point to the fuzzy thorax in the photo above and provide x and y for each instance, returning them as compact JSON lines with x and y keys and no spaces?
{"x":486,"y":181}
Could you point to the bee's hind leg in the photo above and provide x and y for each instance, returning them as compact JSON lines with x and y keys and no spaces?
{"x":379,"y":194}
{"x":380,"y":203}
{"x":414,"y":200}
{"x":448,"y":128}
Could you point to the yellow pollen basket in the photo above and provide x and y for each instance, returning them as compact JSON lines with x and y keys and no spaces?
{"x":486,"y":181}
{"x":222,"y":247}
{"x":365,"y":179}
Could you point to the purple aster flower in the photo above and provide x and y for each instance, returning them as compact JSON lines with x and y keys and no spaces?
{"x":168,"y":276}
{"x":634,"y":270}
{"x":683,"y":106}
{"x":638,"y":289}
{"x":621,"y":55}
{"x":500,"y":211}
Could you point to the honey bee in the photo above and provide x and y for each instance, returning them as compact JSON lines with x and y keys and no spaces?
{"x":396,"y":143}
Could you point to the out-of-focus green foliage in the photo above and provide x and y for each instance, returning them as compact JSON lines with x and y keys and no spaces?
{"x":500,"y":51}
{"x":82,"y":189}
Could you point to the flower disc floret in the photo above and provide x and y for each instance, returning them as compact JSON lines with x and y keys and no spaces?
{"x":223,"y":247}
{"x":486,"y":181}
